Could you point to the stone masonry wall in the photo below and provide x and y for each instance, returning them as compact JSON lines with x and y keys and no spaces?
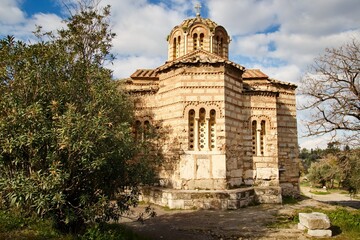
{"x":288,"y":145}
{"x":234,"y":118}
{"x":181,"y":90}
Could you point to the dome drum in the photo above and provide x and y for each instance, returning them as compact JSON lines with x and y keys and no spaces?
{"x":198,"y":33}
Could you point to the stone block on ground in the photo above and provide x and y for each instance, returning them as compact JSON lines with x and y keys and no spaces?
{"x":314,"y":220}
{"x":320,"y":232}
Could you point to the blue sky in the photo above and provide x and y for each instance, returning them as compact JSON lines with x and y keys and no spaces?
{"x":281,"y":37}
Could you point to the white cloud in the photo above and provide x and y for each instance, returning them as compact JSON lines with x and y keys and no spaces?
{"x":243,"y":17}
{"x":10,"y":12}
{"x":142,"y":27}
{"x":125,"y":66}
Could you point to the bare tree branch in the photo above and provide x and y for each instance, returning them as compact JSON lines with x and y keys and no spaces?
{"x":332,"y":91}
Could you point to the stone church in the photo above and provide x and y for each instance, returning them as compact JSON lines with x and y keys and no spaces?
{"x":232,"y":136}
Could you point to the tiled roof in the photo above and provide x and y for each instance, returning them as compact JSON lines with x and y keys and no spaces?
{"x":282,"y":83}
{"x":254,"y":74}
{"x":145,"y":74}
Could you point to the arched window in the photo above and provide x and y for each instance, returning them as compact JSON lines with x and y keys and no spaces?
{"x":147,"y":129}
{"x":178,"y":47}
{"x":191,"y":129}
{"x":201,"y":41}
{"x":174,"y":48}
{"x":195,"y":41}
{"x":212,"y":131}
{"x":137,"y":130}
{"x":258,"y":132}
{"x":221,"y":47}
{"x":254,"y":137}
{"x":262,"y":137}
{"x":202,"y":130}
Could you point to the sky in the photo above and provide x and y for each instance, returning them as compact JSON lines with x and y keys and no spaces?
{"x":280,"y":37}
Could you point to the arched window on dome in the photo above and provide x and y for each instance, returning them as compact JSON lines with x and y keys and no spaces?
{"x":178,"y":46}
{"x":195,"y":41}
{"x":201,"y":41}
{"x":221,"y":47}
{"x":174,"y":48}
{"x":217,"y":44}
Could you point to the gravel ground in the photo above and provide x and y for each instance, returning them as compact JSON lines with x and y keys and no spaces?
{"x":246,"y":223}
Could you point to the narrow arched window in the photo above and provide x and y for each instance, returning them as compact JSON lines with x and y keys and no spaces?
{"x":221,"y":47}
{"x":195,"y":41}
{"x":178,"y":46}
{"x":201,"y":41}
{"x":147,"y":129}
{"x":217,"y":46}
{"x":212,"y":131}
{"x":202,"y":130}
{"x":191,"y":123}
{"x":174,"y":48}
{"x":254,"y":137}
{"x":137,"y":130}
{"x":262,"y":137}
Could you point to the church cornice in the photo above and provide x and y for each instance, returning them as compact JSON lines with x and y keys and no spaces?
{"x":196,"y":57}
{"x":261,"y":93}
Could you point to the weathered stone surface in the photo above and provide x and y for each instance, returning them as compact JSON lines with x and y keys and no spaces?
{"x":267,"y":173}
{"x":314,"y":220}
{"x":320,"y":233}
{"x":301,"y":227}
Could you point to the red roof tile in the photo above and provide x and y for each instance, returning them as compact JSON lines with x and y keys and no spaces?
{"x":254,"y":74}
{"x":145,"y":74}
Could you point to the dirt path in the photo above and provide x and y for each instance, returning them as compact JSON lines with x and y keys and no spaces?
{"x":332,"y":198}
{"x":246,"y":223}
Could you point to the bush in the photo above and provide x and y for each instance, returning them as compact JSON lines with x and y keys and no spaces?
{"x":67,"y":151}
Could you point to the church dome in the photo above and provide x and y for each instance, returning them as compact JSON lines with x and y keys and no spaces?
{"x":198,"y":33}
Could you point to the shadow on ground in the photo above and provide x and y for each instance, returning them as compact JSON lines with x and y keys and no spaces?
{"x":246,"y":223}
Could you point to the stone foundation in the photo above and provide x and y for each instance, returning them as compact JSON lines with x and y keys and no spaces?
{"x":210,"y":199}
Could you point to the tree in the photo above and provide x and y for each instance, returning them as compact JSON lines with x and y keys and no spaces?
{"x":335,"y":165}
{"x":325,"y":172}
{"x":66,"y":145}
{"x":349,"y":162}
{"x":332,"y":90}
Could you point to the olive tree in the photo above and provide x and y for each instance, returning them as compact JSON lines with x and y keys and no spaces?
{"x":66,"y":145}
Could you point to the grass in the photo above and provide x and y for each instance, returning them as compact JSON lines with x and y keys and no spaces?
{"x":15,"y":226}
{"x":320,"y":192}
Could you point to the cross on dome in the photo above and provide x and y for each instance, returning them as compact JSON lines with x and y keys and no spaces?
{"x":198,"y":7}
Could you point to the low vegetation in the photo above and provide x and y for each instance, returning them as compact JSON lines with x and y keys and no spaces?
{"x":13,"y":225}
{"x":332,"y":167}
